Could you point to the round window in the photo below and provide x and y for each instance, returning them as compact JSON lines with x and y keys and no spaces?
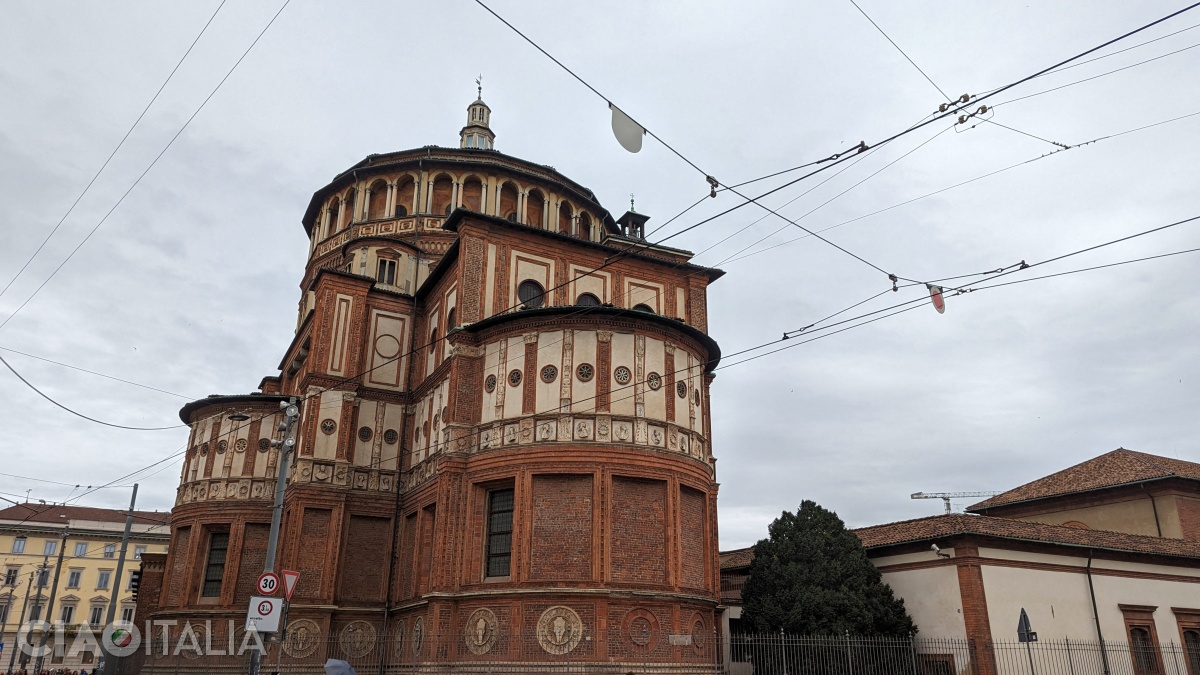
{"x":622,"y":375}
{"x":364,"y":434}
{"x":531,"y":294}
{"x":514,"y":378}
{"x":643,"y":308}
{"x":584,"y":372}
{"x":587,"y":300}
{"x":490,"y":383}
{"x":390,"y":436}
{"x":549,"y":373}
{"x":681,"y":389}
{"x":264,"y":444}
{"x":654,"y":381}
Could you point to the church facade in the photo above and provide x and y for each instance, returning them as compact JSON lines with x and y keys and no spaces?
{"x":504,"y":449}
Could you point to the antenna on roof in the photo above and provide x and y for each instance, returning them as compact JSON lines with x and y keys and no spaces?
{"x":947,"y":496}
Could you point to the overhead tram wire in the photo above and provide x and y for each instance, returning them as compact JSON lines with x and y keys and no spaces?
{"x":112,"y":154}
{"x":148,"y":168}
{"x":902,"y":52}
{"x":98,"y":374}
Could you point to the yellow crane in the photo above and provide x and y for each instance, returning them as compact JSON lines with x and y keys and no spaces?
{"x":947,"y":496}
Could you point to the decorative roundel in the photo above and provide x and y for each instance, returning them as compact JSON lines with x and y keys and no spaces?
{"x":514,"y":378}
{"x":426,"y":430}
{"x":436,"y":418}
{"x":696,"y":396}
{"x":240,"y":446}
{"x":585,"y":372}
{"x":490,"y":383}
{"x":390,"y":437}
{"x":654,"y":381}
{"x":222,"y":446}
{"x":549,"y":373}
{"x":365,"y":433}
{"x":328,"y":426}
{"x":622,"y":375}
{"x":204,"y":449}
{"x":264,"y":444}
{"x":445,"y":412}
{"x":681,"y":389}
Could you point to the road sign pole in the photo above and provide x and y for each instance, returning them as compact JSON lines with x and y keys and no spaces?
{"x":291,"y":414}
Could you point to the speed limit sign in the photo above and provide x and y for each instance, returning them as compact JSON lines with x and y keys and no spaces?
{"x":268,"y":583}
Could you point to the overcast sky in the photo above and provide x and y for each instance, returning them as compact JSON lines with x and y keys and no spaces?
{"x":191,"y":286}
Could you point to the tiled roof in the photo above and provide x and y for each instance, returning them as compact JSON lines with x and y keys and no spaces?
{"x":937,"y":527}
{"x":59,"y":514}
{"x":1118,"y":467}
{"x":736,"y":558}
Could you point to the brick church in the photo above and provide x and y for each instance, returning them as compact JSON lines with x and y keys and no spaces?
{"x":504,"y":450}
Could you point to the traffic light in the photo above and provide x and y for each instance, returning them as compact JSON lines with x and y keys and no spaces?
{"x":135,"y":580}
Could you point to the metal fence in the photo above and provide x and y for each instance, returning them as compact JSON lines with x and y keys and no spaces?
{"x":623,"y":652}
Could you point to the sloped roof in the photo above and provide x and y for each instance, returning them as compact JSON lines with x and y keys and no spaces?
{"x":59,"y":514}
{"x":1119,"y":467}
{"x":937,"y":527}
{"x":736,"y":558}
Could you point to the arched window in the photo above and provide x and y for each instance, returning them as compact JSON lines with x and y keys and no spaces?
{"x":535,"y":204}
{"x":508,"y":203}
{"x":443,"y":190}
{"x":643,"y":307}
{"x":377,"y":200}
{"x":348,"y":209}
{"x":564,"y":218}
{"x":585,"y":226}
{"x":451,"y":320}
{"x":334,"y":212}
{"x":1145,"y":656}
{"x":587,"y":300}
{"x":531,"y":294}
{"x":405,"y":189}
{"x":473,"y":194}
{"x":1191,"y":643}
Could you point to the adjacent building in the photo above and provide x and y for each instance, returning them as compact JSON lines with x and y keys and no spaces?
{"x":31,"y":538}
{"x":504,"y":451}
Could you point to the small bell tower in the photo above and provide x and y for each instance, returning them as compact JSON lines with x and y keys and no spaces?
{"x":477,"y":134}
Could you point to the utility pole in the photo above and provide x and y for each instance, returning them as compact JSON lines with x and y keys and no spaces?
{"x":62,"y":549}
{"x":109,"y":659}
{"x":291,"y":414}
{"x":24,"y":603}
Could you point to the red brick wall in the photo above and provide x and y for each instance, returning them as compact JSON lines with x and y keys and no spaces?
{"x":639,"y":531}
{"x":314,"y":536}
{"x":562,"y":528}
{"x":254,"y":556}
{"x":425,"y":549}
{"x":407,"y":546}
{"x":364,"y":559}
{"x":692,"y":523}
{"x":180,"y":550}
{"x":974,"y":604}
{"x":1189,"y":517}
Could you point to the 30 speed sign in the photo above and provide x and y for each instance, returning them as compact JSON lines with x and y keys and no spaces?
{"x":268,"y":583}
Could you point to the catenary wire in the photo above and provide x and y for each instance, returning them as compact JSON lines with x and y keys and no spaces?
{"x":114,"y":151}
{"x":147,"y":170}
{"x":902,"y":52}
{"x":92,"y":372}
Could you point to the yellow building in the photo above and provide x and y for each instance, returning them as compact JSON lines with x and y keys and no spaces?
{"x":30,"y":538}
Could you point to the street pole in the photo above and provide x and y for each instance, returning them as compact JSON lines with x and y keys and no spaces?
{"x":109,"y":659}
{"x":7,"y":611}
{"x":62,"y":549}
{"x":291,"y":413}
{"x":21,"y":619}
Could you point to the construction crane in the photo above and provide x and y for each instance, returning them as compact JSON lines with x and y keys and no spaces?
{"x":947,"y":496}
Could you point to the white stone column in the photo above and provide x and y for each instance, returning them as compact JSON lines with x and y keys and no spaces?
{"x":546,"y":213}
{"x":390,"y":204}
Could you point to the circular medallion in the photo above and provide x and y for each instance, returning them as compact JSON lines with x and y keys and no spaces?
{"x":480,"y":631}
{"x":654,"y":381}
{"x":549,"y":373}
{"x":489,"y":385}
{"x":622,"y":375}
{"x":303,"y":637}
{"x":387,"y":346}
{"x":641,"y":628}
{"x":426,"y":430}
{"x":390,"y":437}
{"x":559,"y":630}
{"x":445,"y":413}
{"x":264,"y":444}
{"x":418,"y":635}
{"x":222,"y":446}
{"x":699,"y":634}
{"x":585,"y":372}
{"x":240,"y":446}
{"x":399,"y":637}
{"x":328,"y":426}
{"x":365,"y":433}
{"x":681,"y":389}
{"x":357,"y":639}
{"x":514,"y":378}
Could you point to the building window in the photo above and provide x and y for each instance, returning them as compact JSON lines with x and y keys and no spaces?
{"x":103,"y":580}
{"x":642,"y":307}
{"x":50,"y":547}
{"x":127,"y":614}
{"x":386,"y":273}
{"x":1144,"y":651}
{"x":19,"y":545}
{"x":587,"y":300}
{"x":73,"y":578}
{"x":214,"y":568}
{"x":401,"y":211}
{"x":138,"y":551}
{"x":531,"y":294}
{"x":43,"y":576}
{"x":4,"y":612}
{"x":35,"y":612}
{"x":1191,"y":647}
{"x":10,"y":576}
{"x":110,"y":550}
{"x":500,"y":528}
{"x":451,"y":320}
{"x":97,"y":616}
{"x":68,"y":613}
{"x":81,"y":548}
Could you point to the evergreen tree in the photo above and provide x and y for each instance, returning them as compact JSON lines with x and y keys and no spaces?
{"x":812,"y":577}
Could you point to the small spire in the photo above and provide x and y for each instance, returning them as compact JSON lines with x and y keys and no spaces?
{"x":479,"y":87}
{"x":631,"y":209}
